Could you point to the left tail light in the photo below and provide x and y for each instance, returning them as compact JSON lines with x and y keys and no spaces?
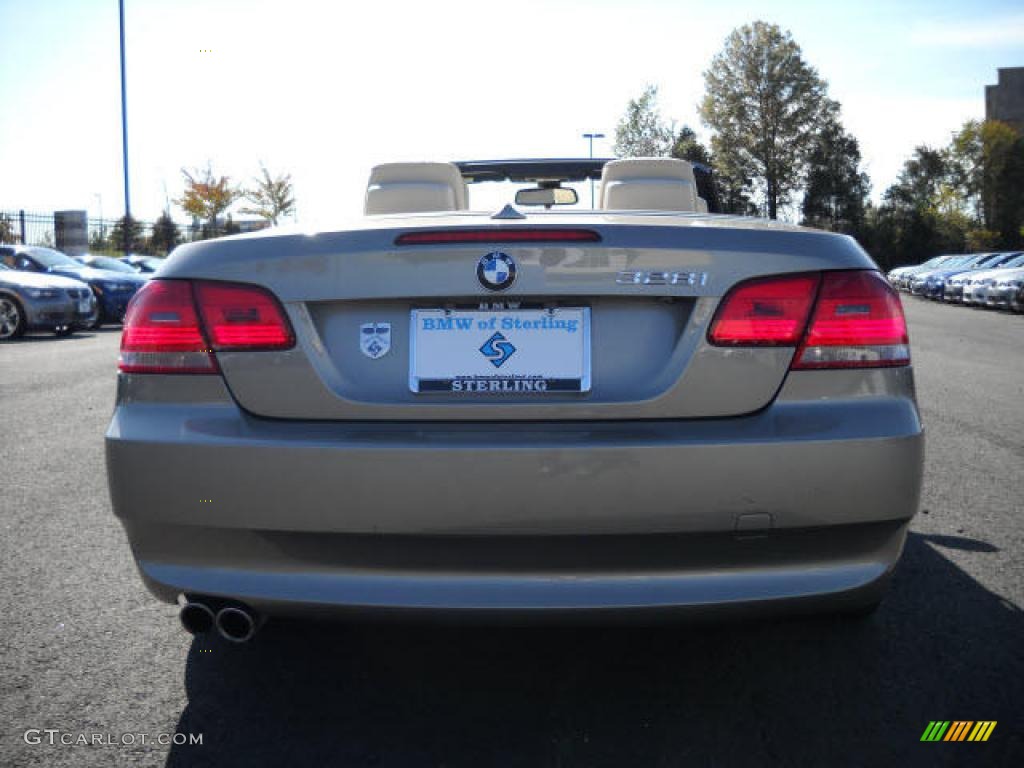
{"x":765,"y":312}
{"x":240,"y":317}
{"x":175,"y":326}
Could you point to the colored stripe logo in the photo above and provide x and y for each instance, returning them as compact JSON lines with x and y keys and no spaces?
{"x":958,"y":730}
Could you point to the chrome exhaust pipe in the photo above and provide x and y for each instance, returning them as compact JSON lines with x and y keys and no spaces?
{"x":196,"y":618}
{"x":236,"y":624}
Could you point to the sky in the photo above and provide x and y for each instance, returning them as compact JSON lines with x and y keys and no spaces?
{"x":325,"y":90}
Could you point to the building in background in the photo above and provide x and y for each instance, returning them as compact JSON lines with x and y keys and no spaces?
{"x":71,"y":232}
{"x":1004,"y":101}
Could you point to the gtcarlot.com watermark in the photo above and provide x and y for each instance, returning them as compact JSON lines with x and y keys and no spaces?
{"x":57,"y":737}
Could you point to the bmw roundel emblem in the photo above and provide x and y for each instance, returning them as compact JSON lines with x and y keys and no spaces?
{"x":496,"y":271}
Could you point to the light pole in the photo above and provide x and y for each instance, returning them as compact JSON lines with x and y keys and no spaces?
{"x":124,"y":118}
{"x":591,"y":137}
{"x":99,"y":199}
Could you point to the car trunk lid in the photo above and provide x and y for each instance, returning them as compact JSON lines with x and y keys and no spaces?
{"x":644,"y":289}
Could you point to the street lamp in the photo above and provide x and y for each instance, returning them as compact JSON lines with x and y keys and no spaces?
{"x":124,"y":118}
{"x":99,"y":199}
{"x":591,"y":137}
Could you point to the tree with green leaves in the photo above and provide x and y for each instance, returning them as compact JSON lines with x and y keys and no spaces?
{"x":734,"y":184}
{"x":686,"y":146}
{"x":835,"y":189}
{"x":272,"y":196}
{"x":966,"y":157}
{"x":7,"y":234}
{"x":641,"y":131}
{"x":126,"y":235}
{"x":98,"y":242}
{"x":207,"y":196}
{"x":921,"y":181}
{"x":765,"y":105}
{"x":919,"y":217}
{"x":1002,"y":183}
{"x":986,"y":166}
{"x":166,"y":235}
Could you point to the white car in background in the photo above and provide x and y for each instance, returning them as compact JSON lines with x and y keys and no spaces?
{"x":900,"y":277}
{"x":976,"y":285}
{"x":1008,"y":291}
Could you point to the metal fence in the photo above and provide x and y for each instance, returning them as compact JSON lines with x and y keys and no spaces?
{"x":114,"y":236}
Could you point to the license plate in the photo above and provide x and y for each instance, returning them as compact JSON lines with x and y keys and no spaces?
{"x":83,"y":306}
{"x":515,"y":351}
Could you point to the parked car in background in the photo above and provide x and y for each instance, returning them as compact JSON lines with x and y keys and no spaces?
{"x":113,"y":290}
{"x":974,"y":286}
{"x":932,"y":283}
{"x":100,"y":261}
{"x":145,"y":264}
{"x":43,"y":302}
{"x":1008,"y":291}
{"x":900,"y":277}
{"x":907,"y":279}
{"x":957,"y":287}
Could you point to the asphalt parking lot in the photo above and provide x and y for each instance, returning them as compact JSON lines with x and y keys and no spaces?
{"x":86,"y":650}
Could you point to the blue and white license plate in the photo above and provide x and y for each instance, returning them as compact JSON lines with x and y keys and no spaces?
{"x":500,"y":352}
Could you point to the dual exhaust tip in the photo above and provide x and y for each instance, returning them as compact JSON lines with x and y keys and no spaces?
{"x":234,"y":623}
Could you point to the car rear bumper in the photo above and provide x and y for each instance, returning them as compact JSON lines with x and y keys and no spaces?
{"x":690,"y":574}
{"x":806,"y":500}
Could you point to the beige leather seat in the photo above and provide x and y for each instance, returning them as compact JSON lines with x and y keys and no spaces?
{"x":415,"y":188}
{"x":649,"y":184}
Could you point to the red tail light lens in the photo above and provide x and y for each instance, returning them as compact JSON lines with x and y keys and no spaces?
{"x":243,"y":317}
{"x":162,"y":333}
{"x":498,"y":235}
{"x":174,"y":326}
{"x":857,"y":323}
{"x":766,"y":312}
{"x":857,"y":319}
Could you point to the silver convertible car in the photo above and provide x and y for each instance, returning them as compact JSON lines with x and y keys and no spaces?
{"x":642,"y":410}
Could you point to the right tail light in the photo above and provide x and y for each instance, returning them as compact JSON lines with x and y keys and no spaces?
{"x":848,"y":319}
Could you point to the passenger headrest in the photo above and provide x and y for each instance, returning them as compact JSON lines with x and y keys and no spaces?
{"x":649,"y":184}
{"x":415,"y":188}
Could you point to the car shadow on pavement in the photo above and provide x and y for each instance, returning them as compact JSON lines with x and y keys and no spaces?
{"x":809,"y":691}
{"x":36,"y":336}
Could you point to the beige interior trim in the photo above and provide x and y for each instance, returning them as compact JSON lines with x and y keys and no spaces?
{"x":649,"y":184}
{"x":415,"y":188}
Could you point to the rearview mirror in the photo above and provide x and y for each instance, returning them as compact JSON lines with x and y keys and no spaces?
{"x":546,"y":196}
